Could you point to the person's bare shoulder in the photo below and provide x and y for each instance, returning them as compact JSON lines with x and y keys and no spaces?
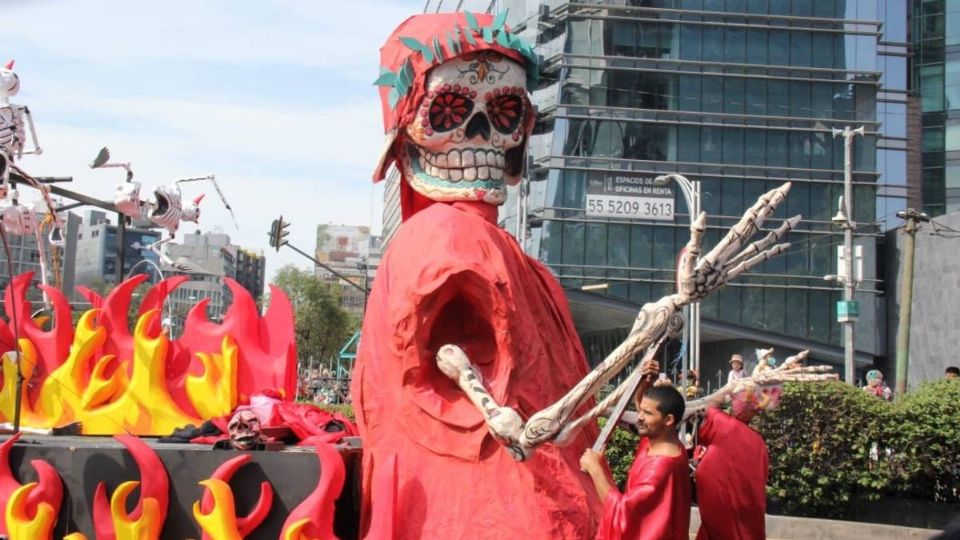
{"x":665,"y":449}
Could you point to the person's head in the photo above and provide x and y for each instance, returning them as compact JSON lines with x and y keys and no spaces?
{"x":736,"y":362}
{"x":661,"y":411}
{"x":952,"y":372}
{"x":874,"y":378}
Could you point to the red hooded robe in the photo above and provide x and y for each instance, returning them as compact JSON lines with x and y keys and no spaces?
{"x":450,"y":275}
{"x":731,"y":480}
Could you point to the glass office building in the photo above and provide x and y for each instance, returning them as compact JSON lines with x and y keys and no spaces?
{"x":741,"y":95}
{"x":936,"y":71}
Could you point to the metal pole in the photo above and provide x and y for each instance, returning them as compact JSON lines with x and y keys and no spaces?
{"x":121,"y":233}
{"x":849,"y":285}
{"x":906,"y":297}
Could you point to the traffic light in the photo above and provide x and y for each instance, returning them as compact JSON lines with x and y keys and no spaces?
{"x":278,"y":233}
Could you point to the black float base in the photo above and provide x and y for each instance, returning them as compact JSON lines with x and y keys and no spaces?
{"x":83,"y":462}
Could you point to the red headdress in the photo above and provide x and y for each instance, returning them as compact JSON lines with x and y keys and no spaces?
{"x":420,"y":43}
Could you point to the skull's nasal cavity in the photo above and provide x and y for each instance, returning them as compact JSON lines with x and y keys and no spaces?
{"x":478,"y":125}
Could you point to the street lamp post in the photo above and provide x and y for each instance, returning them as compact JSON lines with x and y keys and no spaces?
{"x":156,"y":268}
{"x":691,"y":194}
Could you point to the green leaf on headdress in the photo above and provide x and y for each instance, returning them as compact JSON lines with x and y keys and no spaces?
{"x":404,"y":77}
{"x":452,"y":44}
{"x":412,"y":44}
{"x":471,"y":20}
{"x":516,"y":42}
{"x":393,"y":98}
{"x":488,"y":34}
{"x":469,"y":35}
{"x":503,"y":38}
{"x":500,"y":20}
{"x":437,"y":49}
{"x":386,"y":78}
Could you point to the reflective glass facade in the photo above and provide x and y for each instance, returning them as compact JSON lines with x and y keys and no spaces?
{"x":740,"y":95}
{"x":936,"y":71}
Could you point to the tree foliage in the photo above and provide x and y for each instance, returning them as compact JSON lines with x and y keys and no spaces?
{"x":322,"y":327}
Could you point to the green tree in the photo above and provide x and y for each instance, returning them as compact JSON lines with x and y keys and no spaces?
{"x":322,"y":327}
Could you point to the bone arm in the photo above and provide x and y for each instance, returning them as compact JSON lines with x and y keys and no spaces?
{"x":33,"y":133}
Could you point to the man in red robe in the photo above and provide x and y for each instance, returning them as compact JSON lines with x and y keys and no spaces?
{"x":450,"y":275}
{"x":656,"y":503}
{"x":731,"y":479}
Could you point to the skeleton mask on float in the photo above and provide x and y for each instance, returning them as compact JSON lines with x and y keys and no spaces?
{"x":244,"y":430}
{"x":456,"y":110}
{"x":469,"y":134}
{"x":9,"y":83}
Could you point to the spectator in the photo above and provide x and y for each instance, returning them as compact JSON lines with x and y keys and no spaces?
{"x":952,"y":372}
{"x":875,"y":385}
{"x":693,"y":384}
{"x":736,"y":369}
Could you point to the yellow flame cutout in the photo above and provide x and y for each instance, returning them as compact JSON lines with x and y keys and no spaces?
{"x":221,"y":522}
{"x":134,"y":397}
{"x":19,"y":525}
{"x":150,"y":522}
{"x":295,"y":531}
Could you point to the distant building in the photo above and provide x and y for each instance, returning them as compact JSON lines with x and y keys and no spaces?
{"x":96,"y":253}
{"x":354,"y":254}
{"x":25,"y":256}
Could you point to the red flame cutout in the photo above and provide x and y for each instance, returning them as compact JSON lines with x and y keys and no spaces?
{"x":49,"y":486}
{"x":318,"y":506}
{"x":245,"y":525}
{"x":153,"y":484}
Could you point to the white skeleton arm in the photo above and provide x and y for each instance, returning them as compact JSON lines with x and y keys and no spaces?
{"x":697,"y":278}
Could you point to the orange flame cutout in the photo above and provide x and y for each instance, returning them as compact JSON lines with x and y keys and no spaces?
{"x":147,"y":527}
{"x":312,"y":519}
{"x":224,"y":508}
{"x":143,"y":383}
{"x":20,"y":524}
{"x":28,"y":511}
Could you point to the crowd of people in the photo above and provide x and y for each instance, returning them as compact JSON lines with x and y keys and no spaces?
{"x":323,"y":387}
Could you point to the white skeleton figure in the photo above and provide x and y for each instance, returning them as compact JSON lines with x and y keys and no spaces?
{"x":12,"y":131}
{"x":727,"y":260}
{"x":165,"y":208}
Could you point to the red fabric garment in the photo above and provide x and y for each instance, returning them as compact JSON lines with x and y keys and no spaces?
{"x":656,"y":505}
{"x":450,"y":275}
{"x":731,"y":480}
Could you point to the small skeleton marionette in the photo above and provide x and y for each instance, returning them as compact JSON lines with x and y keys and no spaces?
{"x":12,"y":129}
{"x":166,"y":208}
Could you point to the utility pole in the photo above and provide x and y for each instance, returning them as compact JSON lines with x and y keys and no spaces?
{"x":848,"y":311}
{"x":913,"y":219}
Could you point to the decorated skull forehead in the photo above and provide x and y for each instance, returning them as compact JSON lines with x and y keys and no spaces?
{"x":467,"y":139}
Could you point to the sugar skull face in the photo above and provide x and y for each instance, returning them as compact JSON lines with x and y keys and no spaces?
{"x":244,"y":430}
{"x":469,"y":135}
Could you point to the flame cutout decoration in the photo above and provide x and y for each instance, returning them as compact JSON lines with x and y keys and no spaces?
{"x":312,"y":519}
{"x":220,"y":523}
{"x":114,"y":381}
{"x":28,"y":511}
{"x":111,"y":521}
{"x":224,"y":507}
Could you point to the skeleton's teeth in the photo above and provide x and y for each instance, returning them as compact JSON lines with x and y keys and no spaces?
{"x":483,"y":172}
{"x":500,"y":160}
{"x":441,"y":160}
{"x":467,"y":159}
{"x":423,"y":163}
{"x":481,"y":158}
{"x":456,"y":175}
{"x":454,"y":158}
{"x":496,"y":173}
{"x":442,"y":173}
{"x":470,"y":174}
{"x":492,"y":158}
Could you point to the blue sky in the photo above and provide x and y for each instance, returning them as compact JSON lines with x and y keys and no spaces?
{"x":275,"y":98}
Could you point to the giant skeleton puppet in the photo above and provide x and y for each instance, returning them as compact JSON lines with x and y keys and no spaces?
{"x":469,"y":360}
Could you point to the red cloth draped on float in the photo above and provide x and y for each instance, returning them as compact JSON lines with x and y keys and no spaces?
{"x":451,"y":275}
{"x":656,"y":504}
{"x":731,"y":480}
